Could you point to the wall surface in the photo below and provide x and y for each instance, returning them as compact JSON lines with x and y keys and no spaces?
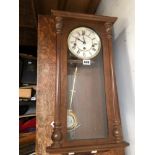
{"x":123,"y":55}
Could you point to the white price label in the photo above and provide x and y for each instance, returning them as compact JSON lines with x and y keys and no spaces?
{"x":94,"y":151}
{"x":87,"y":62}
{"x":71,"y":153}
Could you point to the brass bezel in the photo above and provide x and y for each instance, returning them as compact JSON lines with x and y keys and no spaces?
{"x":72,"y":114}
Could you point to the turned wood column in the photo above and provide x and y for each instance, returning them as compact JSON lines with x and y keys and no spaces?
{"x":57,"y":133}
{"x":116,"y":132}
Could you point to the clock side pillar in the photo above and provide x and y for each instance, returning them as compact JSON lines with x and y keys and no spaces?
{"x":57,"y":133}
{"x":116,"y":121}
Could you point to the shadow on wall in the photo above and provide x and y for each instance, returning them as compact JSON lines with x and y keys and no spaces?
{"x":125,"y":88}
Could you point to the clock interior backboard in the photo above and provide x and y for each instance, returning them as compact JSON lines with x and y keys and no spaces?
{"x":86,"y":89}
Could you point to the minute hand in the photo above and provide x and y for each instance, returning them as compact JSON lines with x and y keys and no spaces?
{"x":84,"y":40}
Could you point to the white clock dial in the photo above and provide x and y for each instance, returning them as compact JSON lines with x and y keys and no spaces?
{"x":84,"y":43}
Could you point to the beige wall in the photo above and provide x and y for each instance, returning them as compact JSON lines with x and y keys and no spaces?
{"x":123,"y":49}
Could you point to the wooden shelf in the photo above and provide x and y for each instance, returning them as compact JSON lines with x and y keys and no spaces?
{"x":29,"y":86}
{"x":25,"y":138}
{"x":27,"y":56}
{"x":27,"y":115}
{"x":27,"y":99}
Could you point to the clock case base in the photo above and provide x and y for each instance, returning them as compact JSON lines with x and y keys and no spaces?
{"x":80,"y":149}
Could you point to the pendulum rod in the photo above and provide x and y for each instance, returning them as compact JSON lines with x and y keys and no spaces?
{"x":73,"y":89}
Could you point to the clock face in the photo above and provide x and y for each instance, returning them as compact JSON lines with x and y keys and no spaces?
{"x":84,"y":43}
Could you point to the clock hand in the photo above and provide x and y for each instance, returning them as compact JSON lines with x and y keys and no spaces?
{"x":78,"y":39}
{"x":83,"y":33}
{"x":84,"y":42}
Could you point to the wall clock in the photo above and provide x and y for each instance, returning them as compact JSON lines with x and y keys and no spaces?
{"x":87,"y":118}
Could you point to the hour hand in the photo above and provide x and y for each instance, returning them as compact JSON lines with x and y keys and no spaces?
{"x":78,"y":39}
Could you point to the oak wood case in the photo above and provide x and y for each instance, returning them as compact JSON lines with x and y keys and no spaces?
{"x":64,"y":22}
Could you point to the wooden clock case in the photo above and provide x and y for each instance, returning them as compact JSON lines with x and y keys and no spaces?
{"x":64,"y":22}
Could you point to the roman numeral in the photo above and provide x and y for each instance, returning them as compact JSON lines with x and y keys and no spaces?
{"x":84,"y":54}
{"x":78,"y":33}
{"x":73,"y":47}
{"x":95,"y":44}
{"x":83,"y":32}
{"x":93,"y":49}
{"x":89,"y":34}
{"x":90,"y":53}
{"x":78,"y":52}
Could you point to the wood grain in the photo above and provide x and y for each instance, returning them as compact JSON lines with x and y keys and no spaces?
{"x":45,"y":83}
